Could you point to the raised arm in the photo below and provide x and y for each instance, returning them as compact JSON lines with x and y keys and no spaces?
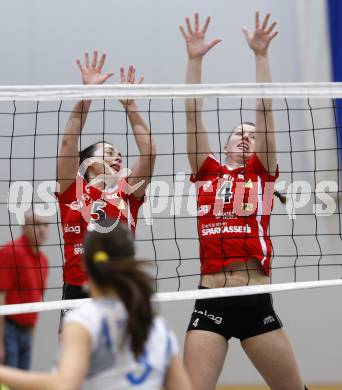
{"x":198,"y":147}
{"x":265,"y":141}
{"x":67,"y":163}
{"x":143,"y":168}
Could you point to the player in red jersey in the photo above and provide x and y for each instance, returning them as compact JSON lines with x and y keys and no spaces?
{"x":234,"y":205}
{"x":92,"y":185}
{"x":23,"y":278}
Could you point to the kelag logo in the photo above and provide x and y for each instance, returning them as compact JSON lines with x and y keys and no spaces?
{"x":72,"y":229}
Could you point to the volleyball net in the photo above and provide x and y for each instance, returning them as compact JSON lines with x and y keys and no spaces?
{"x":306,"y":231}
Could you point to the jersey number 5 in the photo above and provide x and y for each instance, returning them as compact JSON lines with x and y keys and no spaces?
{"x":97,"y":211}
{"x":225,"y":192}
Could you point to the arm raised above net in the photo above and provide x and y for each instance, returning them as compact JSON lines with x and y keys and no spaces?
{"x":68,"y":161}
{"x":198,"y":147}
{"x":265,"y":140}
{"x":143,"y":168}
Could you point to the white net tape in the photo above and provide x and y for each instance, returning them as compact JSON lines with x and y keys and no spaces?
{"x":246,"y":90}
{"x":176,"y":296}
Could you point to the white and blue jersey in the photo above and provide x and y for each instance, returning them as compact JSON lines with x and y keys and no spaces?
{"x":112,"y":363}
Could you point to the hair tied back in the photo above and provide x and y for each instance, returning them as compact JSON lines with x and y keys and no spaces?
{"x":100,"y":257}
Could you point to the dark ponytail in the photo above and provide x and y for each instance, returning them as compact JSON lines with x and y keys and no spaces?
{"x":110,"y":262}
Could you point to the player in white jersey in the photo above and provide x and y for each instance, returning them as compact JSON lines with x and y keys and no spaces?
{"x":115,"y":341}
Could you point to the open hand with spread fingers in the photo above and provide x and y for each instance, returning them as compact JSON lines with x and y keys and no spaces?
{"x":128,"y":79}
{"x":194,"y":37}
{"x":92,"y":72}
{"x":260,"y":39}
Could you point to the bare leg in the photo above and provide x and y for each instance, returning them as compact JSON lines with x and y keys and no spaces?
{"x":204,"y":354}
{"x":272,"y":355}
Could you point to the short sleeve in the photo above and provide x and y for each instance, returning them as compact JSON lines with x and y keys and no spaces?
{"x":125,"y":191}
{"x":69,"y":195}
{"x":87,"y":318}
{"x":210,"y":167}
{"x":172,"y":344}
{"x":168,"y":337}
{"x":136,"y":202}
{"x":256,"y":166}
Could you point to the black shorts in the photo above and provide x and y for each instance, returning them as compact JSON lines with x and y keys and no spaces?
{"x":239,"y":317}
{"x":74,"y":292}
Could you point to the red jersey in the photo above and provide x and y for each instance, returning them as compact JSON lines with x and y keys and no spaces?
{"x":80,"y":207}
{"x":234,"y":207}
{"x":23,"y":276}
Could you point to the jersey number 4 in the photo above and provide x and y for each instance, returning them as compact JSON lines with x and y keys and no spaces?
{"x":225,"y":192}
